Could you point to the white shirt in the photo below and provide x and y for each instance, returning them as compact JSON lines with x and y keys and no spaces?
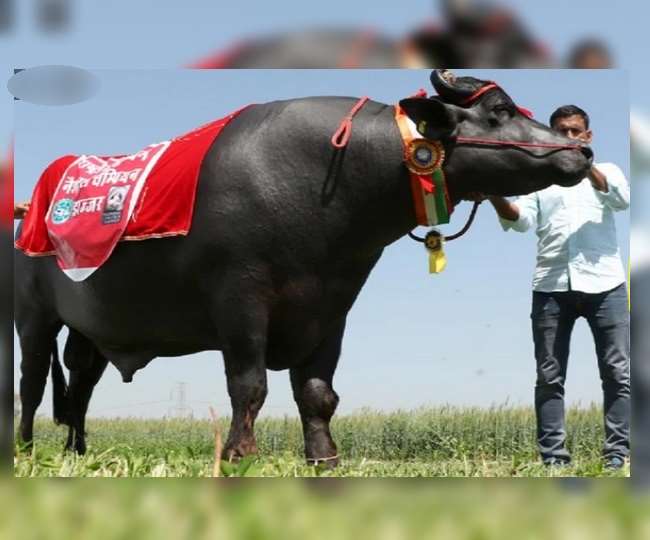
{"x":576,"y":247}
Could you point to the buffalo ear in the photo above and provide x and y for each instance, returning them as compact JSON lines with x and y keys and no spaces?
{"x":433,"y":118}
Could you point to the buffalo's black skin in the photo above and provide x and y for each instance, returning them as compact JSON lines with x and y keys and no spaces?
{"x":6,"y":301}
{"x":284,"y":235}
{"x":86,"y":365}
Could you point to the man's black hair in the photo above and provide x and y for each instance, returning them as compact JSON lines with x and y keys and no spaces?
{"x":569,"y":110}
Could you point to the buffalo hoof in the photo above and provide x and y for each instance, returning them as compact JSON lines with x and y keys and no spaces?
{"x":79,"y":447}
{"x":327,"y":463}
{"x":61,"y":420}
{"x":234,"y":454}
{"x":24,"y":446}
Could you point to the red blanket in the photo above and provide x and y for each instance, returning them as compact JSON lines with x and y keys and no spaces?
{"x":83,"y":205}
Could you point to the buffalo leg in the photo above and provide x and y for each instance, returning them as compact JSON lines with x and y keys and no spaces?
{"x":246,"y":378}
{"x":80,"y":389}
{"x":317,"y":400}
{"x":36,"y":343}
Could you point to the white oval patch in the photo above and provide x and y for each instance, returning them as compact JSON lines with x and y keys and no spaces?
{"x":53,"y":85}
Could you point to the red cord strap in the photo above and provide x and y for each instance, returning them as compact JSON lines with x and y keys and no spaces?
{"x":491,"y":86}
{"x":342,"y":135}
{"x":498,"y":142}
{"x":471,"y":99}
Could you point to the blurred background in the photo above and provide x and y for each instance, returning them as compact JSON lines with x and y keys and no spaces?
{"x":322,"y":508}
{"x":338,"y":33}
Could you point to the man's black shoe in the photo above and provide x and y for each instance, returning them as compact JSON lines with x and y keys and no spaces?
{"x":556,"y":462}
{"x":614,"y":463}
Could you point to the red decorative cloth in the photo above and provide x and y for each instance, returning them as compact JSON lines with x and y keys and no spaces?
{"x":7,"y":193}
{"x":83,"y":205}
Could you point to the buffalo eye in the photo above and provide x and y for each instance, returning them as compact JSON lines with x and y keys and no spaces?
{"x":500,"y":114}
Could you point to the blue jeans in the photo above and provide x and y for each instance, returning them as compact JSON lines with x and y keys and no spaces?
{"x":553,"y":317}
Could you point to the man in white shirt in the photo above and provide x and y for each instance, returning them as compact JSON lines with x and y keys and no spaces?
{"x":579,"y":273}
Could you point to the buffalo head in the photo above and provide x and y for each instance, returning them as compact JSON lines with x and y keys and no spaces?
{"x":480,"y":131}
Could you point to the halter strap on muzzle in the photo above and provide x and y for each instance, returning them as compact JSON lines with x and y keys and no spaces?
{"x":522,"y":144}
{"x":499,"y":142}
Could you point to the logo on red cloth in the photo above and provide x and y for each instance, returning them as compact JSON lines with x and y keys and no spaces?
{"x":92,"y":205}
{"x":62,"y":211}
{"x":115,"y":201}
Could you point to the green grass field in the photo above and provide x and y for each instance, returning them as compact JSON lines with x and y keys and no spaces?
{"x":446,"y":441}
{"x":324,"y":509}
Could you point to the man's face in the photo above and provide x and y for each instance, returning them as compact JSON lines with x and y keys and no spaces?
{"x":573,"y":127}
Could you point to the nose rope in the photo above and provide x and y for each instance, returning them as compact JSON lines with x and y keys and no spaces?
{"x":523,"y":144}
{"x":498,"y":142}
{"x":471,"y":99}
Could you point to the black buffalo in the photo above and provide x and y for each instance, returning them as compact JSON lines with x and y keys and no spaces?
{"x":285,"y":231}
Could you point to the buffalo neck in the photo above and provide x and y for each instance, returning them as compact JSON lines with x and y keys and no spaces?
{"x":374,"y":182}
{"x":369,"y":181}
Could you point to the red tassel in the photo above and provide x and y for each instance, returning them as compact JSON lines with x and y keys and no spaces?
{"x":426,"y":184}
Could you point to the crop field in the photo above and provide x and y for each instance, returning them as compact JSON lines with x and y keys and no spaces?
{"x":440,"y":442}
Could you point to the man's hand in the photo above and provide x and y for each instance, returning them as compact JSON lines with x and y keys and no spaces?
{"x":504,"y":208}
{"x":598,"y":180}
{"x":21,"y":209}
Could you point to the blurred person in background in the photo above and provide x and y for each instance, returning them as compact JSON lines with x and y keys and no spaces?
{"x":641,"y":373}
{"x":590,"y":54}
{"x":640,"y":144}
{"x":579,"y":273}
{"x":640,"y":312}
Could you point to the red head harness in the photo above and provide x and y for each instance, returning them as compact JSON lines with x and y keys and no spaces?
{"x":499,"y":142}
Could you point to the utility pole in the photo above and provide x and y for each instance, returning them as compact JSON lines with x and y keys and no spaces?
{"x":178,"y":395}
